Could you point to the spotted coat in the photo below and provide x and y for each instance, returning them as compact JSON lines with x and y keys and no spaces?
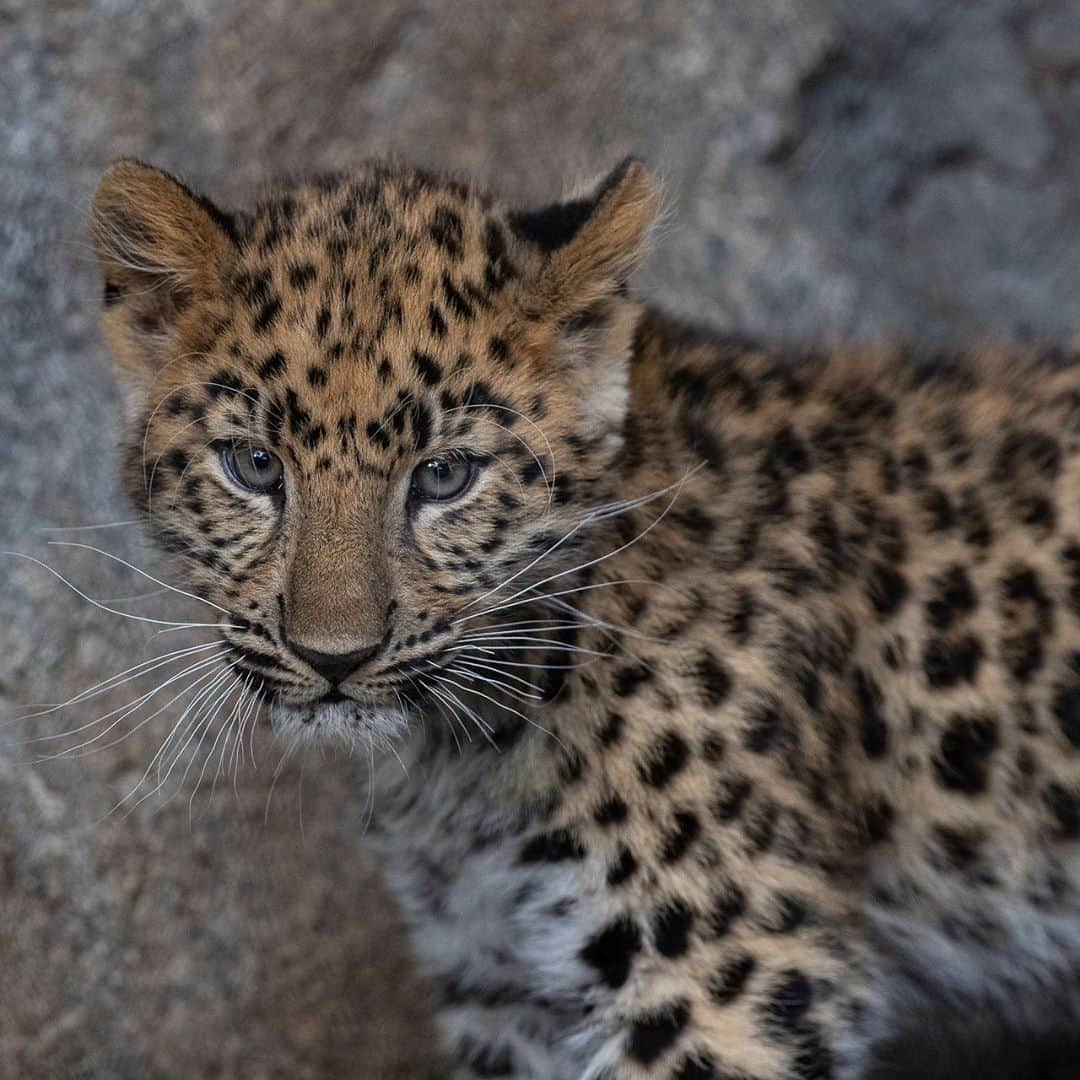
{"x":738,"y":694}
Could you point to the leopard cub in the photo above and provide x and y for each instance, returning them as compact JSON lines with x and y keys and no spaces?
{"x":737,"y":690}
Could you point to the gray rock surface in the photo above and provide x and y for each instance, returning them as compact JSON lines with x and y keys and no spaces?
{"x":836,"y":170}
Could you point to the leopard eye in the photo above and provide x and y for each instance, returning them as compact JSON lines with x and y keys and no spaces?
{"x":252,"y":467}
{"x":443,"y":479}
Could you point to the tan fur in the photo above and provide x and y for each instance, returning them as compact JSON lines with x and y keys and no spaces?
{"x":830,"y":689}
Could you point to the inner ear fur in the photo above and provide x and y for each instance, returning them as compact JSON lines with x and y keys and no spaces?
{"x":591,"y":244}
{"x":160,"y":245}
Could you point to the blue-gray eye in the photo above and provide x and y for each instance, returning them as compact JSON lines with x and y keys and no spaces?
{"x":442,"y":479}
{"x":252,"y":467}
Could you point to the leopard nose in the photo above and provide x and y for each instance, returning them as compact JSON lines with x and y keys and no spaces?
{"x":334,"y":667}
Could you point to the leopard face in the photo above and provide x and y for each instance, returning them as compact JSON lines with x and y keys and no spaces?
{"x":368,"y":416}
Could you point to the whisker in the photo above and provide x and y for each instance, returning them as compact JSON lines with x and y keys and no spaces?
{"x":113,"y":682}
{"x":498,"y":704}
{"x":88,"y":528}
{"x":582,"y":566}
{"x":453,"y":702}
{"x":113,"y":611}
{"x":142,"y":573}
{"x":599,"y":514}
{"x":478,"y":665}
{"x":126,"y":711}
{"x":511,"y":602}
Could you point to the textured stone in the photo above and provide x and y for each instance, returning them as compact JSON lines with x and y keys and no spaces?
{"x":836,"y":169}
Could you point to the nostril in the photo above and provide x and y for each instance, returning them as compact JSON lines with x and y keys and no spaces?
{"x":334,"y":667}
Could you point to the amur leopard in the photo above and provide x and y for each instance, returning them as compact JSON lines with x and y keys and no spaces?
{"x":724,"y":701}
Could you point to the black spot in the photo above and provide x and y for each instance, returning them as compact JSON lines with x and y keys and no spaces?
{"x":1020,"y":449}
{"x":176,"y":460}
{"x":940,"y":510}
{"x":790,"y":913}
{"x":953,"y":598}
{"x":878,"y":817}
{"x":787,"y":453}
{"x":446,"y":230}
{"x":741,"y":618}
{"x":696,"y":1067}
{"x":765,"y":723}
{"x":555,"y":846}
{"x":420,"y":418}
{"x":948,"y":661}
{"x":731,"y":793}
{"x":728,"y":906}
{"x":810,"y":688}
{"x":611,"y":811}
{"x":1038,"y":512}
{"x":713,"y":747}
{"x":436,"y":322}
{"x":788,"y":1000}
{"x":426,"y":367}
{"x":1065,"y":807}
{"x":703,"y":442}
{"x":651,"y":1034}
{"x":694,"y":521}
{"x":667,"y":758}
{"x":316,"y":376}
{"x":678,"y":839}
{"x":728,"y":983}
{"x":887,"y":589}
{"x":959,"y":847}
{"x":873,"y":731}
{"x":267,"y":314}
{"x":623,"y":868}
{"x":273,"y":366}
{"x":760,"y":826}
{"x":1066,"y":705}
{"x":671,"y":926}
{"x":498,"y":350}
{"x":967,"y":743}
{"x":455,"y":301}
{"x":300,"y":277}
{"x":612,"y":730}
{"x":713,"y":678}
{"x":299,"y":417}
{"x":611,"y":951}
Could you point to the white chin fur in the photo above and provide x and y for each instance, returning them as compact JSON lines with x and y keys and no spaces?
{"x":348,"y":723}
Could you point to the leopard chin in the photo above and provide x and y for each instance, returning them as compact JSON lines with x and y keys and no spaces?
{"x":346,"y":723}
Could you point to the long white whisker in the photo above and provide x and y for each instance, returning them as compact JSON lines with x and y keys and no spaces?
{"x":117,"y":680}
{"x":470,"y":665}
{"x":200,"y":696}
{"x":126,"y":711}
{"x":88,"y":528}
{"x":498,"y":704}
{"x":143,"y":573}
{"x":599,"y":514}
{"x":585,"y":565}
{"x":105,"y":607}
{"x":443,"y":704}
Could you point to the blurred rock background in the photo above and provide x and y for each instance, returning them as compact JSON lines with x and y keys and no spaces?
{"x":845,"y":169}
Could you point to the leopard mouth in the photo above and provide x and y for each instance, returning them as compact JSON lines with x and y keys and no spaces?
{"x":338,"y":717}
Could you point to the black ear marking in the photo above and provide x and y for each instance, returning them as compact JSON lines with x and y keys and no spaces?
{"x":555,"y":225}
{"x":550,"y":227}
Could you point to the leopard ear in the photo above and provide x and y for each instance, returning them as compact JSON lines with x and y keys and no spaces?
{"x":590,"y":244}
{"x":161,"y":247}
